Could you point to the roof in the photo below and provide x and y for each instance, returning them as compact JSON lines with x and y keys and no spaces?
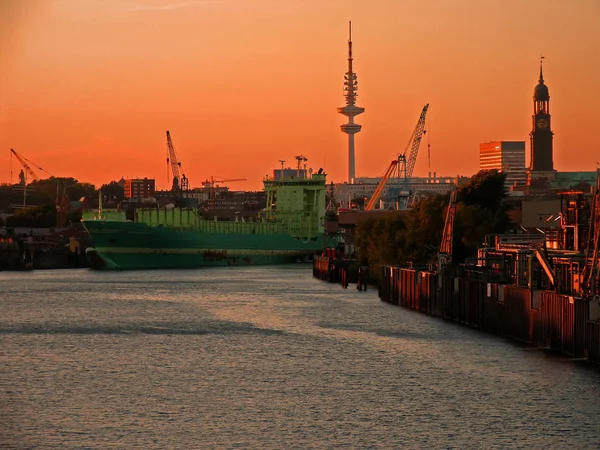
{"x":574,"y":177}
{"x":540,"y":92}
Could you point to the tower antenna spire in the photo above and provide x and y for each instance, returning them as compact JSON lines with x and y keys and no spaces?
{"x":541,"y":65}
{"x":350,"y":110}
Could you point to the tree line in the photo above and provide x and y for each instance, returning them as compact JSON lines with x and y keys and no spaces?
{"x":415,"y":235}
{"x":44,"y":197}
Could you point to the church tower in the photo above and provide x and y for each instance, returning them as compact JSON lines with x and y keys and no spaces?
{"x":541,"y":163}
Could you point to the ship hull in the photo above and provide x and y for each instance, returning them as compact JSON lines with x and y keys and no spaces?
{"x":129,"y":245}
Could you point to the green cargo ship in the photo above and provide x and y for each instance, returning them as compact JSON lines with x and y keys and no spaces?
{"x":289,"y":229}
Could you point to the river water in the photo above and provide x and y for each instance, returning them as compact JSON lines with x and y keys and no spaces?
{"x":266,"y":358}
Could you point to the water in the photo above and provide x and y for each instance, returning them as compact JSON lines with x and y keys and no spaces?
{"x":266,"y":358}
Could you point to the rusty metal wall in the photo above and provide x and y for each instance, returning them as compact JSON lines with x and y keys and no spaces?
{"x":560,"y":323}
{"x":593,"y":342}
{"x":558,"y":318}
{"x":516,"y":314}
{"x":321,"y":266}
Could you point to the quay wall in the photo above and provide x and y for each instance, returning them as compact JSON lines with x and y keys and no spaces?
{"x":545,"y":319}
{"x":335,"y":269}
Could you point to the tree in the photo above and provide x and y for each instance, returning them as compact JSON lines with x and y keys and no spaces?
{"x":77,"y":190}
{"x":39,"y":217}
{"x":113,"y":191}
{"x":13,"y":195}
{"x":49,"y":189}
{"x":379,"y":241}
{"x":358,"y":202}
{"x":471,"y":225}
{"x":425,"y":224}
{"x":486,"y":188}
{"x":54,"y":188}
{"x":416,"y":234}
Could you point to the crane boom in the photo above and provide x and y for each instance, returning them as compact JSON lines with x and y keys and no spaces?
{"x":211,"y":185}
{"x":407,"y":163}
{"x":212,"y":181}
{"x":447,"y":236}
{"x":381,"y":185}
{"x":415,"y":139}
{"x":28,"y":169}
{"x":175,"y":163}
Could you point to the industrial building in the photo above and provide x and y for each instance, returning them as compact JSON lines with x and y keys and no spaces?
{"x":365,"y":187}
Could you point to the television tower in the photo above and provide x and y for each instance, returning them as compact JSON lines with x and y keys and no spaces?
{"x":350,"y":110}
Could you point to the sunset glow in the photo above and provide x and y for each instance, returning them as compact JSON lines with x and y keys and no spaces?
{"x":89,"y":87}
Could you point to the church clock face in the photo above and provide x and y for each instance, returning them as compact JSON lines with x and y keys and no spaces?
{"x":542,"y":123}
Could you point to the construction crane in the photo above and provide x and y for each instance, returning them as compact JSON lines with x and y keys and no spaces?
{"x":211,"y":185}
{"x":32,"y":175}
{"x":62,"y":199}
{"x":381,"y":186}
{"x":404,"y":165}
{"x":180,"y":181}
{"x":408,"y":159}
{"x":414,"y":143}
{"x":445,"y":254}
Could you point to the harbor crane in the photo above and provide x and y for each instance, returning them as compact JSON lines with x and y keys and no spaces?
{"x":414,"y":143}
{"x":28,"y":170}
{"x":407,"y":164}
{"x":180,"y":181}
{"x":403,"y":166}
{"x":445,"y":254}
{"x":62,"y":200}
{"x":381,"y":186}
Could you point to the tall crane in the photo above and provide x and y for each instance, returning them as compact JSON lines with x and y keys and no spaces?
{"x":62,"y":199}
{"x":445,"y":255}
{"x":32,"y":175}
{"x":180,"y":181}
{"x":211,"y":185}
{"x":403,"y":166}
{"x":415,"y":142}
{"x":408,"y":159}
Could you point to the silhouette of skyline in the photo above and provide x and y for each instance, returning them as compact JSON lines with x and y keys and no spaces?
{"x":89,"y":88}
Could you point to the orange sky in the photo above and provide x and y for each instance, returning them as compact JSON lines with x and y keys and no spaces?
{"x":89,"y":87}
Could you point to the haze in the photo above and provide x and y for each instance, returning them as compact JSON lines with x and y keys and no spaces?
{"x":88,"y":88}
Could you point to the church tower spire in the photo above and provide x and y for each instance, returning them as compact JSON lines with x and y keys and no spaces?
{"x":541,"y":158}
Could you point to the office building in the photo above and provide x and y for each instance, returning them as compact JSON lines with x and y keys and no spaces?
{"x":139,"y":188}
{"x":507,"y":157}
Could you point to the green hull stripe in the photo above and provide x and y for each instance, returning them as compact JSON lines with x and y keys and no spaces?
{"x":201,"y":251}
